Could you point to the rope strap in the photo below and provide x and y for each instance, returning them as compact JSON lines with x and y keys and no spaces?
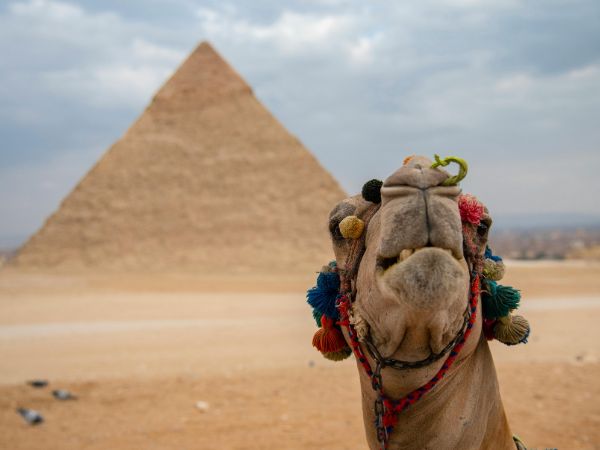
{"x":387,"y":409}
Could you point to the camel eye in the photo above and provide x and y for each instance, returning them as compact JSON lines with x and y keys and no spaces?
{"x":482,"y":229}
{"x":334,"y":229}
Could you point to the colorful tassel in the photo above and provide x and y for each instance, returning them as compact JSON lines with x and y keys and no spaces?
{"x":499,"y":300}
{"x":331,"y":267}
{"x":488,"y":328}
{"x":493,"y":267}
{"x":338,"y":356}
{"x":512,"y":330}
{"x":322,"y":297}
{"x":317,"y":316}
{"x":329,"y":338}
{"x":493,"y":270}
{"x":351,"y":227}
{"x":490,"y":255}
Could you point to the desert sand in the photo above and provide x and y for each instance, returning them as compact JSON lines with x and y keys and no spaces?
{"x":141,"y":351}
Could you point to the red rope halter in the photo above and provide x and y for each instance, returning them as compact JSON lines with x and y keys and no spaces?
{"x":387,"y":408}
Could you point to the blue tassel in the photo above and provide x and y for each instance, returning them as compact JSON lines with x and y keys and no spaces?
{"x":489,"y":255}
{"x":323,"y":296}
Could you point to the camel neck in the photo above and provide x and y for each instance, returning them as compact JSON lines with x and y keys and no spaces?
{"x":463,"y":411}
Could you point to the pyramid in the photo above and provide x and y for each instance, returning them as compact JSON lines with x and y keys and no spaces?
{"x":205,"y":180}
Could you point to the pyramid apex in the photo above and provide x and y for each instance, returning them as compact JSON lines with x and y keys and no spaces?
{"x":204,"y":46}
{"x":203,"y":78}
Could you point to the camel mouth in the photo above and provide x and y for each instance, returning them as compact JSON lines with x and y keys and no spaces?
{"x":384,"y":263}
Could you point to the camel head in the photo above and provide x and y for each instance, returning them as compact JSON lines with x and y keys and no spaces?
{"x":403,"y":296}
{"x":413,"y":281}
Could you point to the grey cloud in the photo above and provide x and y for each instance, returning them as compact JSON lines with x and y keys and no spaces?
{"x":508,"y":85}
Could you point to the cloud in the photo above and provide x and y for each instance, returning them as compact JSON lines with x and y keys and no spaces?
{"x":439,"y":77}
{"x":512,"y":86}
{"x":113,"y":64}
{"x":77,"y":74}
{"x":127,"y":81}
{"x":290,"y":32}
{"x":52,"y":10}
{"x":362,"y":50}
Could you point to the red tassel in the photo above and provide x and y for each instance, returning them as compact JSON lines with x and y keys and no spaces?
{"x":329,"y":338}
{"x":488,"y":328}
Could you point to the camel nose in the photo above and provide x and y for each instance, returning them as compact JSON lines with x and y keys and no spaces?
{"x":417,"y":172}
{"x":417,"y":211}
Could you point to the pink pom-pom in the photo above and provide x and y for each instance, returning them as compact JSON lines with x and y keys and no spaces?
{"x":471,"y":210}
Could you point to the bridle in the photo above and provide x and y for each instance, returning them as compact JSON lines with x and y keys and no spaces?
{"x":387,"y":409}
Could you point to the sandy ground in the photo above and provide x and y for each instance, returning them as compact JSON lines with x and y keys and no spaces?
{"x":140,"y":351}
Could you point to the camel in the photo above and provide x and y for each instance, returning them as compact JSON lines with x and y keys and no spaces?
{"x":410,"y":257}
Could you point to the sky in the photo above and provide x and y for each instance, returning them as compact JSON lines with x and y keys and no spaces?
{"x":511,"y":86}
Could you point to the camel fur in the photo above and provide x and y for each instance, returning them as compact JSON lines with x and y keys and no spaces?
{"x":411,"y":292}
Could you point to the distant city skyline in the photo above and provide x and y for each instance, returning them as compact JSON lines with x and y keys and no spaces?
{"x":513,"y":87}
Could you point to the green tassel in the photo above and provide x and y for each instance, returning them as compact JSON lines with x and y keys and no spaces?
{"x":499,"y":300}
{"x":317,"y":316}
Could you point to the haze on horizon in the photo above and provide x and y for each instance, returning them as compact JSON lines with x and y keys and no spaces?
{"x":511,"y":86}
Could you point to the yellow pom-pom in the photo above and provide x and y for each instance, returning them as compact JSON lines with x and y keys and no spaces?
{"x":351,"y":227}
